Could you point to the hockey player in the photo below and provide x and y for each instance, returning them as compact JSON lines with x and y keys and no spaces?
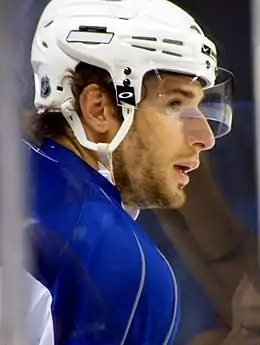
{"x":118,"y":86}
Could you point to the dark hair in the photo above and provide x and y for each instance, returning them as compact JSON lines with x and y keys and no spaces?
{"x":52,"y":123}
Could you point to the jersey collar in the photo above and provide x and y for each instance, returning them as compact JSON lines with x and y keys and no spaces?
{"x":80,"y":168}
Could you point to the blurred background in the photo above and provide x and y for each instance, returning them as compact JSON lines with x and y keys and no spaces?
{"x":210,"y":242}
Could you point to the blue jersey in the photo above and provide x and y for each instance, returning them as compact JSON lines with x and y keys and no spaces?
{"x":109,"y":283}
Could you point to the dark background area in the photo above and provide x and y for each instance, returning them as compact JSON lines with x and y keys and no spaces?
{"x":227,"y":22}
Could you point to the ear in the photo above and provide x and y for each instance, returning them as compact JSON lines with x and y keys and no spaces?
{"x":96,"y":108}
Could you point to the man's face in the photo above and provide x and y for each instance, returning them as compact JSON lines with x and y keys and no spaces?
{"x":151,"y":165}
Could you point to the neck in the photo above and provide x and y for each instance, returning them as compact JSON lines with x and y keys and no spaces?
{"x":71,"y":143}
{"x":90,"y":158}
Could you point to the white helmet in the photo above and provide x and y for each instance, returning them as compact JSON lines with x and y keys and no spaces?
{"x":127,"y":38}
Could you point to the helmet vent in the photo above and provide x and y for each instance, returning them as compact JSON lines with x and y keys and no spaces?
{"x":145,"y":38}
{"x":197,"y":29}
{"x":171,"y":53}
{"x":142,"y":47}
{"x":48,"y":24}
{"x":170,"y":41}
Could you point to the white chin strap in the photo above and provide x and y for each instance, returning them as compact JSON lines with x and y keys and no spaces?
{"x":104,"y":150}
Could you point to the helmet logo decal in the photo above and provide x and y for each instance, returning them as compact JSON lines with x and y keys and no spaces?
{"x":125,"y":94}
{"x":208,"y":51}
{"x":45,"y":87}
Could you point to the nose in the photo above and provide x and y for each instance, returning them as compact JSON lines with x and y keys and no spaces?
{"x":197,"y":130}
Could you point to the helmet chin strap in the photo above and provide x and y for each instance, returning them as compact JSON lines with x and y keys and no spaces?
{"x":104,"y":150}
{"x":105,"y":161}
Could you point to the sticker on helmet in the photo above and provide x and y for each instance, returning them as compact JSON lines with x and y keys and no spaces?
{"x":125,"y":94}
{"x":45,"y":87}
{"x":208,"y":51}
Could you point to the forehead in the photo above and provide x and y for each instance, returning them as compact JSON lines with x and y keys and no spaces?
{"x":167,"y":83}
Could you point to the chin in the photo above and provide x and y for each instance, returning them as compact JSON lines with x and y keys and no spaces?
{"x":173,"y":200}
{"x":163,"y":197}
{"x":180,"y":202}
{"x":177,"y":198}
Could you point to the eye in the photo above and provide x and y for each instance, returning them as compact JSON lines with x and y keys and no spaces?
{"x":174,"y":106}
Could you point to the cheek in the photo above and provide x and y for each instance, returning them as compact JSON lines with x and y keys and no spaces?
{"x":168,"y":136}
{"x":174,"y":132}
{"x":160,"y":137}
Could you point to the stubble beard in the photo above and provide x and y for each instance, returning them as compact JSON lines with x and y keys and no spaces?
{"x":142,"y":182}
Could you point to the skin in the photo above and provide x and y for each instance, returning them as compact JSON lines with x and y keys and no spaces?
{"x":165,"y":134}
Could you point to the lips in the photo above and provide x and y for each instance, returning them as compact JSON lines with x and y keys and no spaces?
{"x":187,"y":167}
{"x":184,"y":169}
{"x":183,"y":178}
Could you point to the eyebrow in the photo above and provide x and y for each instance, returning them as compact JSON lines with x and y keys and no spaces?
{"x":186,"y":93}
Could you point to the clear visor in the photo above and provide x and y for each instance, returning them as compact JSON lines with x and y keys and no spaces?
{"x":186,"y":97}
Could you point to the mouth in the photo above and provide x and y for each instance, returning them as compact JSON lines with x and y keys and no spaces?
{"x":184,"y":178}
{"x":184,"y":170}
